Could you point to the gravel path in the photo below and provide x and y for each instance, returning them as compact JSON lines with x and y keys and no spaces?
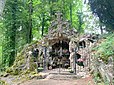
{"x":82,"y":78}
{"x":83,"y":81}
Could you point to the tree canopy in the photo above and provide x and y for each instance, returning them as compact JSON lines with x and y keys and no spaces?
{"x":105,"y":11}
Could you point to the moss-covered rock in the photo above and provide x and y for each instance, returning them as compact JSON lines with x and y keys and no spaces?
{"x":24,"y":62}
{"x":3,"y":82}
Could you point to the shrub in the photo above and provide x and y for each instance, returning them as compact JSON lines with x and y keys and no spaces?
{"x":106,"y":48}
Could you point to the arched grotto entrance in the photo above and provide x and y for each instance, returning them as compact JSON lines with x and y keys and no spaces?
{"x":59,"y":55}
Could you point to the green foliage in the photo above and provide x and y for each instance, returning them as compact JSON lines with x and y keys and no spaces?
{"x":15,"y":29}
{"x":0,"y":55}
{"x":10,"y":25}
{"x":3,"y":82}
{"x":15,"y":26}
{"x":48,"y":8}
{"x":1,"y":39}
{"x":104,"y":10}
{"x":106,"y":48}
{"x":97,"y":77}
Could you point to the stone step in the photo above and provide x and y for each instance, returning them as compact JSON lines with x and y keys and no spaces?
{"x":64,"y":74}
{"x":66,"y":77}
{"x":63,"y":77}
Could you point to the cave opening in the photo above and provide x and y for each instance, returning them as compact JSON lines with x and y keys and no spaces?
{"x":59,"y":55}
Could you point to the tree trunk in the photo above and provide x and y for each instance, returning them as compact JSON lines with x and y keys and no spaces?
{"x":80,"y":22}
{"x":63,"y":8}
{"x":101,"y":28}
{"x":30,"y":22}
{"x":43,"y":18}
{"x":43,"y":23}
{"x":71,"y":13}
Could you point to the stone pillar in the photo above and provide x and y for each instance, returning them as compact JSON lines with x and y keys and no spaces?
{"x":45,"y":58}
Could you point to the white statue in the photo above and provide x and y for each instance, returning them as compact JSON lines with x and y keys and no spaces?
{"x":72,"y":54}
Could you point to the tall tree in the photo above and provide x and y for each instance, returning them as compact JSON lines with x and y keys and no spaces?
{"x":104,"y":9}
{"x":80,"y":21}
{"x":43,"y":17}
{"x":70,"y":12}
{"x":43,"y":23}
{"x":9,"y":50}
{"x":30,"y":21}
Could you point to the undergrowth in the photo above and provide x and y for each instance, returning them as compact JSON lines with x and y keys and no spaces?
{"x":3,"y":82}
{"x":105,"y":49}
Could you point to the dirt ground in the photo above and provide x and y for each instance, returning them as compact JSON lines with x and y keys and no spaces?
{"x":82,"y":81}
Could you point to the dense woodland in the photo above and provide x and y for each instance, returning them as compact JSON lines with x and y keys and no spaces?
{"x":26,"y":21}
{"x":23,"y":22}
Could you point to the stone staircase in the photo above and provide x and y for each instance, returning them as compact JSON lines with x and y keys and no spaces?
{"x":65,"y":74}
